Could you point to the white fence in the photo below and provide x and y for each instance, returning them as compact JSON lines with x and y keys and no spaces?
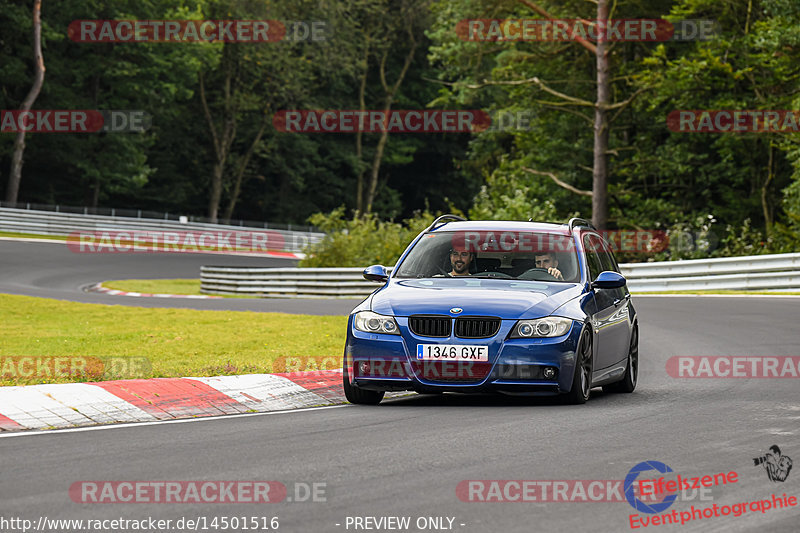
{"x":764,"y":272}
{"x":287,"y":282}
{"x":756,"y":272}
{"x":54,"y":223}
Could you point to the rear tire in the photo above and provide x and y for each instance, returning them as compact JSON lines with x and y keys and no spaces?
{"x":359,"y":396}
{"x":628,"y":382}
{"x":582,"y":378}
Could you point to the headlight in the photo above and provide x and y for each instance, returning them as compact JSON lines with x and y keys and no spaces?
{"x":551,"y":326}
{"x":370,"y":322}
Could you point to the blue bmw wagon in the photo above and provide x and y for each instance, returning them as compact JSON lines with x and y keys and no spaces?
{"x":492,"y":306}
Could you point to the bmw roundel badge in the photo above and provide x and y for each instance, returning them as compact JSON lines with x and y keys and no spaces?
{"x":455,"y":310}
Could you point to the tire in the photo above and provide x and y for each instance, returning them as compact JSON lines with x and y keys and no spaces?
{"x":359,"y":396}
{"x":582,"y":378}
{"x":628,"y":382}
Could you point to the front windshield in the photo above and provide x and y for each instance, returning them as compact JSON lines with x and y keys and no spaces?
{"x":526,"y":255}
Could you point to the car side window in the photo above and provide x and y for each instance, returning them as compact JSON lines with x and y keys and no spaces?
{"x":591,"y":247}
{"x":606,"y":256}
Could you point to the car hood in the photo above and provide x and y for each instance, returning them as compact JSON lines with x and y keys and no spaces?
{"x":510,"y":299}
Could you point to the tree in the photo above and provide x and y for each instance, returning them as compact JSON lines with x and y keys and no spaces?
{"x":15,"y":176}
{"x":751,"y":64}
{"x":252,"y":81}
{"x":412,"y":14}
{"x":520,"y":75}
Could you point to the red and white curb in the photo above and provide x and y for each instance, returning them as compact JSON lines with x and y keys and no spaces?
{"x":147,"y":400}
{"x":114,"y":292}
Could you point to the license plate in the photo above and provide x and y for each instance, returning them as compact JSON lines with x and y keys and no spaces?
{"x":452,"y":352}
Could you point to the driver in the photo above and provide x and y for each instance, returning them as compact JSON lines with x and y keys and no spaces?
{"x":549,"y":262}
{"x":460,"y":261}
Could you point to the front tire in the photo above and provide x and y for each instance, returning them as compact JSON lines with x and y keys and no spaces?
{"x":359,"y":396}
{"x":628,"y":382}
{"x":582,"y":378}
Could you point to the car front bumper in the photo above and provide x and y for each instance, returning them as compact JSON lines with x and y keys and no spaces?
{"x":389,"y":363}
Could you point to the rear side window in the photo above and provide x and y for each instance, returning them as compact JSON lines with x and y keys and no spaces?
{"x":591,"y":245}
{"x":601,"y":250}
{"x":607,"y":257}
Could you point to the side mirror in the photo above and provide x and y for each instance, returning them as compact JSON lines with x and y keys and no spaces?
{"x":376,"y":273}
{"x":609,"y":280}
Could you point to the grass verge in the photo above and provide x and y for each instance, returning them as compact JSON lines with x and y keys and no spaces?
{"x":32,"y":236}
{"x":174,"y":342}
{"x":192,"y":286}
{"x":156,"y":286}
{"x":746,"y":293}
{"x":188,"y":287}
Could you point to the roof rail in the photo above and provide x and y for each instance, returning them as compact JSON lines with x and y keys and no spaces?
{"x":444,"y":219}
{"x":580,"y":222}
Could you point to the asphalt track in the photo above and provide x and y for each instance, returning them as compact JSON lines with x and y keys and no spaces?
{"x":53,"y":271}
{"x":406,"y":457}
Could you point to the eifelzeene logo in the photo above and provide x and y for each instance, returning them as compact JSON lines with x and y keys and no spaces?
{"x":777,"y":465}
{"x":630,"y":482}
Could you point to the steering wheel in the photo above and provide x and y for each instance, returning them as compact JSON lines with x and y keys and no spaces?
{"x":537,"y":274}
{"x":442,"y":272}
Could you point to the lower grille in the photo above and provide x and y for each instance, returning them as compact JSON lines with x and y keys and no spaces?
{"x":477,"y":327}
{"x":430,"y":325}
{"x":451,"y":371}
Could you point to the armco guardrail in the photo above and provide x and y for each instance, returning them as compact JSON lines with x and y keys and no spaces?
{"x":52,"y":223}
{"x":755,"y":272}
{"x":765,"y":272}
{"x":286,"y":282}
{"x":118,"y":212}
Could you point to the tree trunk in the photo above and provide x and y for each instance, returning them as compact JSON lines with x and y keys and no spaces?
{"x":362,"y":106}
{"x":600,"y":167}
{"x":376,"y":166}
{"x":96,"y":193}
{"x":237,"y":186}
{"x":216,"y":192}
{"x":390,"y":93}
{"x":764,"y":204}
{"x":14,"y":179}
{"x":223,"y":140}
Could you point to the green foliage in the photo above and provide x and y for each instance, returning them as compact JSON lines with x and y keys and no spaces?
{"x":511,"y":197}
{"x":741,"y":191}
{"x":361,"y":240}
{"x":744,"y":240}
{"x":658,"y":179}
